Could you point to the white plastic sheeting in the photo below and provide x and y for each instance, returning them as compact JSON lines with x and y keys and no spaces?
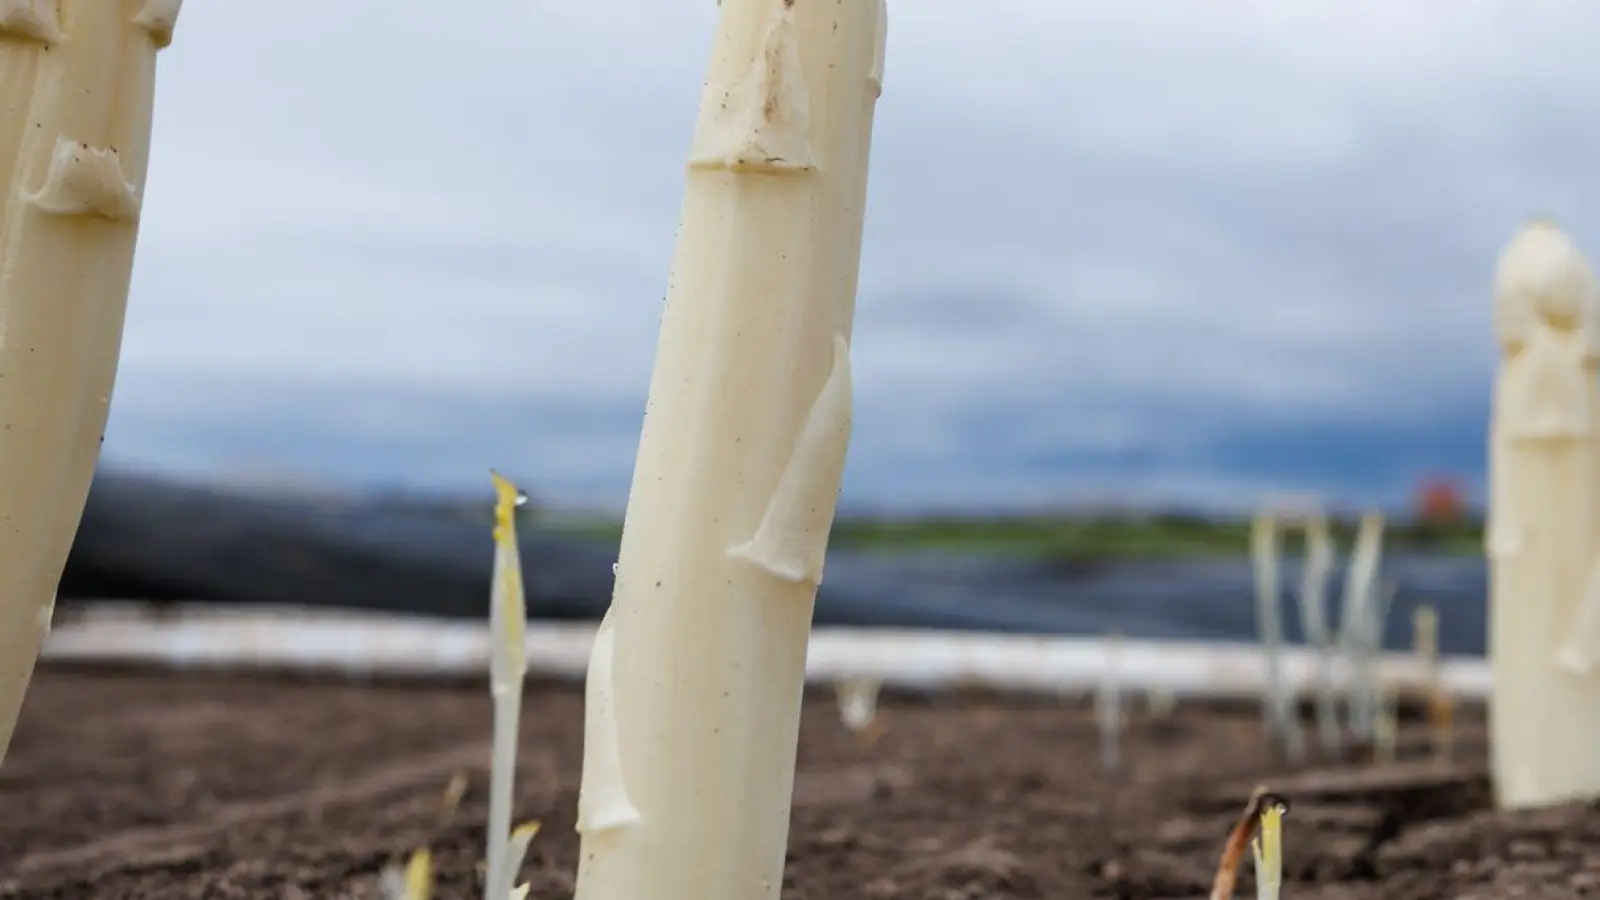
{"x":187,"y":637}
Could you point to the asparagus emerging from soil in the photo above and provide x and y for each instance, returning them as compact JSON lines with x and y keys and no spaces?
{"x":1314,"y":619}
{"x":858,"y":707}
{"x":1283,"y":725}
{"x":1541,"y":542}
{"x":1265,"y":810}
{"x":414,"y":881}
{"x":1267,"y":849}
{"x":1425,"y":635}
{"x":695,"y":682}
{"x":78,"y":81}
{"x":1108,"y":705}
{"x":1386,"y":727}
{"x":454,"y":792}
{"x":1361,"y":624}
{"x":508,"y":669}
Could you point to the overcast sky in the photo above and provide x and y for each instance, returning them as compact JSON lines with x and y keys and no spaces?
{"x":1114,"y":248}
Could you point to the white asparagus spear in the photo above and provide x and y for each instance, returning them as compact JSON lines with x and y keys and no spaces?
{"x":1108,"y":706}
{"x":508,"y":670}
{"x":77,"y":83}
{"x":1545,"y":722}
{"x":1425,"y":642}
{"x":1314,"y":620}
{"x":1278,"y":707}
{"x":695,"y":680}
{"x":1360,"y":623}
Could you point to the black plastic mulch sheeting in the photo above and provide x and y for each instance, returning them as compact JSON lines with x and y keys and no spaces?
{"x":146,"y":539}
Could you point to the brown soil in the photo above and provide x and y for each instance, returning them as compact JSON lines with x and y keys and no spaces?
{"x":148,"y":786}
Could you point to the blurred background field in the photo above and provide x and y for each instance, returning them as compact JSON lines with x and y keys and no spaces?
{"x":1084,"y":537}
{"x":1128,"y":271}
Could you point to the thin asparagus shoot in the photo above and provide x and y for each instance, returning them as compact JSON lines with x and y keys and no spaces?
{"x":1361,"y":623}
{"x":414,"y":882}
{"x":1314,"y":618}
{"x":1267,"y":848}
{"x":1441,"y":719}
{"x":1233,"y":848}
{"x":419,"y":875}
{"x":508,"y":667}
{"x":1441,"y":723}
{"x":1386,"y":727}
{"x":454,"y":793}
{"x":1108,"y":705}
{"x":1278,"y":709}
{"x":1376,"y":700}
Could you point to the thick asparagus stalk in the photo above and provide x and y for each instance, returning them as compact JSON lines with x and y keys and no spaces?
{"x":77,"y":83}
{"x":695,"y":681}
{"x":1541,"y":536}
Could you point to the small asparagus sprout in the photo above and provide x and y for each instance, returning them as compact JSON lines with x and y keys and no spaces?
{"x":1254,"y":815}
{"x":1314,"y":618}
{"x":1442,"y":724}
{"x":1267,"y":848}
{"x":1375,"y":700}
{"x":508,"y":667}
{"x":454,"y":793}
{"x":858,"y":707}
{"x":1108,"y":705}
{"x":1277,"y":703}
{"x":419,"y":875}
{"x":1425,"y":642}
{"x":414,"y":882}
{"x":1441,"y":718}
{"x":1160,"y":702}
{"x":1365,"y":610}
{"x":1385,"y":727}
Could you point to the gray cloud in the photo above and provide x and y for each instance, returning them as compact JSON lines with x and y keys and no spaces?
{"x":1111,"y":247}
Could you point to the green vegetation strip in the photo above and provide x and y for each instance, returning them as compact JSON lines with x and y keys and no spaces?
{"x":1068,"y":539}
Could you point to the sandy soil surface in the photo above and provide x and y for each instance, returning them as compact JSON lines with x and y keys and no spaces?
{"x":128,"y":785}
